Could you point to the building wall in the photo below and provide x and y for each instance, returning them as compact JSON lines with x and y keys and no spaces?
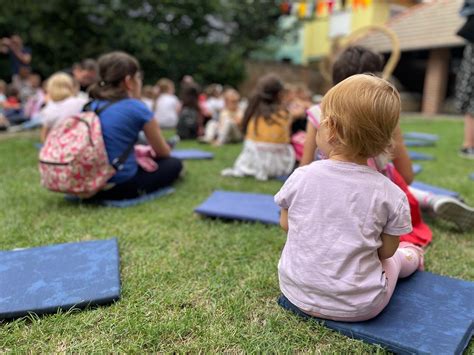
{"x":289,"y":73}
{"x":316,"y":42}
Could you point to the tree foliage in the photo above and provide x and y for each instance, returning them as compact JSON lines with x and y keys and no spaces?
{"x":208,"y":39}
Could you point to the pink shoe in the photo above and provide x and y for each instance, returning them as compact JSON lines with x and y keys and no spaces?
{"x":418,"y":250}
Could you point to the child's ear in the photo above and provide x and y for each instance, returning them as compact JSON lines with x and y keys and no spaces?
{"x":333,"y":130}
{"x":128,"y":82}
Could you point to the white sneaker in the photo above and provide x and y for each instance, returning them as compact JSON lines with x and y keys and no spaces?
{"x":455,"y":211}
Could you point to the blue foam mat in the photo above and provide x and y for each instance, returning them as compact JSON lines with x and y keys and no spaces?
{"x":418,"y":143}
{"x":241,"y":206}
{"x":421,"y":136}
{"x":420,"y":156}
{"x":191,"y":154}
{"x":471,"y":176}
{"x":123,"y":203}
{"x":428,"y":314}
{"x":434,"y":189}
{"x":58,"y":277}
{"x":417,"y":168}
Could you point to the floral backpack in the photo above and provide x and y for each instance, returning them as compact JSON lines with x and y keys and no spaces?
{"x":74,"y":160}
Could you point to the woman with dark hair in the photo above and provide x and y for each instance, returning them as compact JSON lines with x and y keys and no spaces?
{"x":122,"y":116}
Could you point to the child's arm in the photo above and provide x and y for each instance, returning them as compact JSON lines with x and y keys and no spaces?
{"x":309,"y":145}
{"x":284,"y":219}
{"x":401,"y":159}
{"x":389,"y":246}
{"x":155,"y":139}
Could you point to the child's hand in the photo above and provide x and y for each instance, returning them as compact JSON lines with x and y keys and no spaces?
{"x":144,"y":155}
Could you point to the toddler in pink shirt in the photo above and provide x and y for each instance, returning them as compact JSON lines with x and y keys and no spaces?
{"x":342,"y":257}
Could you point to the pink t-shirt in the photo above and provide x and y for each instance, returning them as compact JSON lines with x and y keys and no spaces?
{"x":336,"y":214}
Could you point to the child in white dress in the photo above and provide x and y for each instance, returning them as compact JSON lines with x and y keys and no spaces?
{"x":267,"y":150}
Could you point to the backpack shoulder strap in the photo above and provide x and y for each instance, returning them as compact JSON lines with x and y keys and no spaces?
{"x":98,"y":110}
{"x":118,"y":162}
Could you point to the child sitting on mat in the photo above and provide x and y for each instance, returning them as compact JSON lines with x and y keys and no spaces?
{"x":226,"y":129}
{"x":267,"y":150}
{"x":62,"y":102}
{"x":343,"y":255}
{"x":359,"y":60}
{"x":190,"y":119}
{"x":122,"y":116}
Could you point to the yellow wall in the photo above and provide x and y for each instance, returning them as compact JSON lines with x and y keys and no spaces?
{"x":316,"y":41}
{"x":375,"y":14}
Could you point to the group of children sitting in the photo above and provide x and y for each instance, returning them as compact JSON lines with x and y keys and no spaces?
{"x":354,"y":226}
{"x":21,"y":100}
{"x":211,"y":116}
{"x":270,"y":149}
{"x":278,"y":124}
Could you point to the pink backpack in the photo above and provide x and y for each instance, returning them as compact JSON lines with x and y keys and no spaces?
{"x":74,"y":160}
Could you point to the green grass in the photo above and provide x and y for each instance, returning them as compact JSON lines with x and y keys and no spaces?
{"x":189,"y":283}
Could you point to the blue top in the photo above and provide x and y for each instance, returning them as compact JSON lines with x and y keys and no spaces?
{"x":16,"y":63}
{"x":121,"y":122}
{"x":468,"y":8}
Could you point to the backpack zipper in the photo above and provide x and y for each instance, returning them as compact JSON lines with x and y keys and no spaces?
{"x":77,"y":118}
{"x":52,"y":163}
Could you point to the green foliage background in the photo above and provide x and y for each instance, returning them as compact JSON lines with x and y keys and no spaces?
{"x":208,"y":39}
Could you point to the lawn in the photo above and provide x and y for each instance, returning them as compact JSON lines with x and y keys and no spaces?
{"x":192,"y":284}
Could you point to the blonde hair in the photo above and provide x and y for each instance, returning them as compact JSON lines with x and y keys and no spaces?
{"x":231,"y":93}
{"x":165,"y":85}
{"x":60,"y":86}
{"x":361,"y":113}
{"x":148,"y":92}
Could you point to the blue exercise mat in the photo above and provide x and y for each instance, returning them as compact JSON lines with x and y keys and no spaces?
{"x":471,"y":176}
{"x":428,"y":314}
{"x":418,"y":143}
{"x":420,"y":156}
{"x":417,"y":168}
{"x":58,"y":277}
{"x":191,"y":154}
{"x":434,"y":189}
{"x":241,"y":206}
{"x":421,"y":136}
{"x":123,"y":203}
